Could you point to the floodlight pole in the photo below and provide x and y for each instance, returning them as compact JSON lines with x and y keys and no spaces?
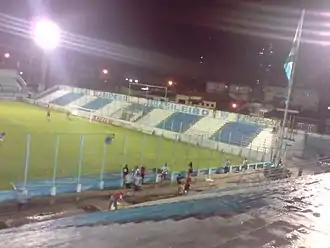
{"x":44,"y":71}
{"x":290,"y":86}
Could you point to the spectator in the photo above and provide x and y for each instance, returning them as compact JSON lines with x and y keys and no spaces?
{"x":136,"y":171}
{"x":227,"y":166}
{"x":164,"y":172}
{"x":129,"y":179}
{"x":143,"y":172}
{"x":125,"y":173}
{"x":190,"y":169}
{"x":114,"y":198}
{"x":137,"y":181}
{"x":187,"y":184}
{"x":245,"y":165}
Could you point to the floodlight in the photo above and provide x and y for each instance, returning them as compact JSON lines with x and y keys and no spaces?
{"x":7,"y":55}
{"x":47,"y":34}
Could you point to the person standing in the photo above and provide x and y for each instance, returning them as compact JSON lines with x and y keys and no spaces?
{"x":164,"y":172}
{"x":245,"y":165}
{"x":190,"y":169}
{"x":125,"y":173}
{"x":227,"y":166}
{"x":142,"y":172}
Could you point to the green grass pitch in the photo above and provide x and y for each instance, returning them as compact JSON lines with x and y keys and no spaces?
{"x":18,"y":119}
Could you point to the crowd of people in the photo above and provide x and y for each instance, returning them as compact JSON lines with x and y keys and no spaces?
{"x":135,"y":178}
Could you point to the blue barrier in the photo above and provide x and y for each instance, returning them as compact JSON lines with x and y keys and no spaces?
{"x":110,"y":181}
{"x":227,"y":204}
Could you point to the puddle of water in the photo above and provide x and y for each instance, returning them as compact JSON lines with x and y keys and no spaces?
{"x":44,"y":216}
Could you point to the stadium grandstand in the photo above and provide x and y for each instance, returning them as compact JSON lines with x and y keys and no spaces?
{"x":12,"y":83}
{"x":201,"y":125}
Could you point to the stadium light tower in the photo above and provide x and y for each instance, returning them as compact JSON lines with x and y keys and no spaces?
{"x":47,"y":35}
{"x":6,"y":55}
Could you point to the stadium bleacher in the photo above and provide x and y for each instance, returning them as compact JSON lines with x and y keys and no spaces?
{"x":9,"y":82}
{"x":134,"y":112}
{"x":236,"y":133}
{"x":66,"y":98}
{"x":226,"y":130}
{"x":97,"y":103}
{"x":179,"y":122}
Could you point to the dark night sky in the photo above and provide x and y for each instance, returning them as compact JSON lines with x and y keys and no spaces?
{"x":216,"y":30}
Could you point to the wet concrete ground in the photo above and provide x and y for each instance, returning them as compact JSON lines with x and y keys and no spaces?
{"x":280,"y":215}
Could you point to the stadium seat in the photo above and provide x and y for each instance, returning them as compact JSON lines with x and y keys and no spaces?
{"x":236,"y":133}
{"x":135,"y":111}
{"x":9,"y":85}
{"x":97,"y":103}
{"x":179,"y":122}
{"x":66,"y":99}
{"x":9,"y":82}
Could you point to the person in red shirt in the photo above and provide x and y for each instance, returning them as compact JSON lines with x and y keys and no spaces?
{"x":187,"y":184}
{"x":114,"y":198}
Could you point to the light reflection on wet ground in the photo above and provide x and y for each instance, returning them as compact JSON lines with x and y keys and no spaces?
{"x":281,"y":215}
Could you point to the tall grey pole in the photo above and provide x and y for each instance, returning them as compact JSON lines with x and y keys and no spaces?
{"x":291,"y":81}
{"x":44,"y":71}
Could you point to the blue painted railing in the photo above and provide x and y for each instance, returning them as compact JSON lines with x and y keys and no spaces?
{"x":110,"y":181}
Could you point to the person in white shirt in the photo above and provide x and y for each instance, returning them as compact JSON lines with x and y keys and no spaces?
{"x":164,"y":171}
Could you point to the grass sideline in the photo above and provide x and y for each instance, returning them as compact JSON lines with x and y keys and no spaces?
{"x":18,"y":119}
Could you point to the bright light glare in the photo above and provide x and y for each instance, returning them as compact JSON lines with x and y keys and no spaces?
{"x":130,"y":80}
{"x":47,"y":34}
{"x":234,"y":105}
{"x":170,"y":83}
{"x":105,"y":71}
{"x":136,"y":81}
{"x":7,"y":55}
